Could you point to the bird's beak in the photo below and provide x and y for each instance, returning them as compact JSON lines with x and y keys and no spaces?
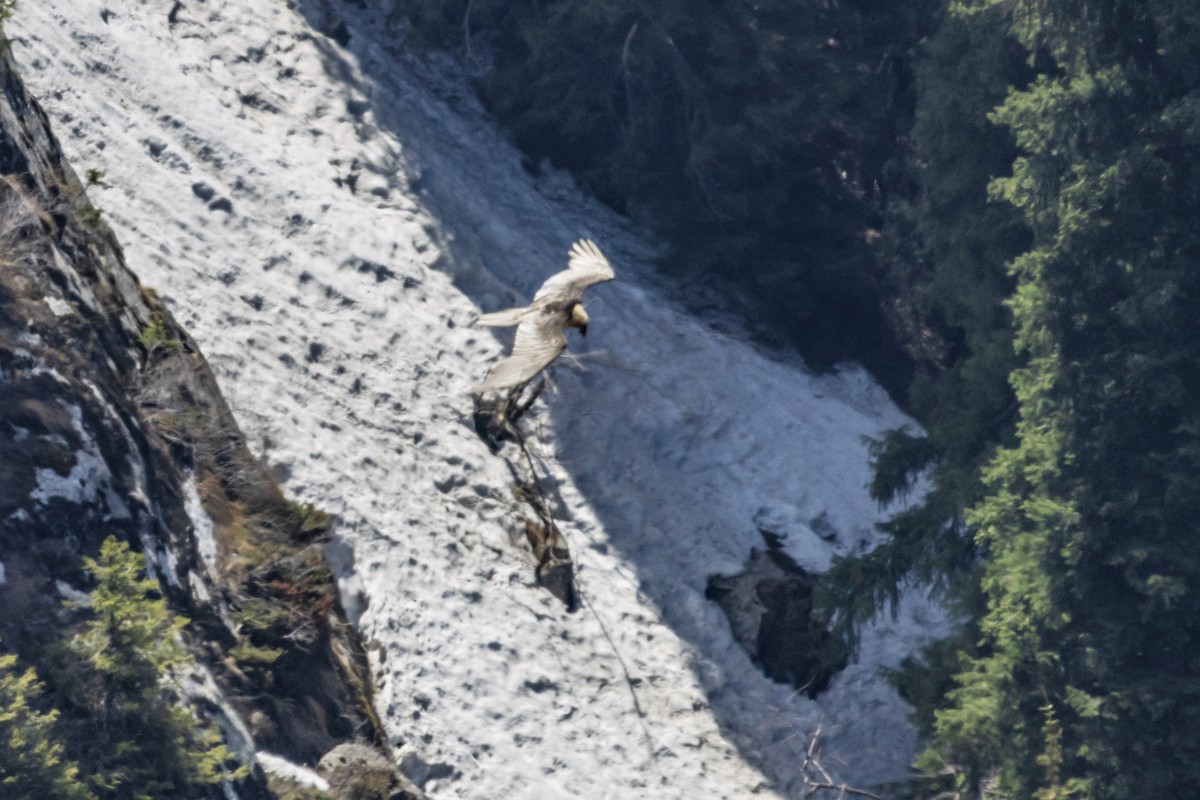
{"x":579,"y":318}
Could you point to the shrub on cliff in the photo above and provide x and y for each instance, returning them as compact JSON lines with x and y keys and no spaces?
{"x":33,"y":764}
{"x":153,"y":746}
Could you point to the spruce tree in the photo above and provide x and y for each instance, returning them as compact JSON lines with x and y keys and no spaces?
{"x":128,"y":654}
{"x":33,"y":764}
{"x":1085,"y":680}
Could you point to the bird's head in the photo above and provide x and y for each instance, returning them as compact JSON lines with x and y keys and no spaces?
{"x":578,"y":319}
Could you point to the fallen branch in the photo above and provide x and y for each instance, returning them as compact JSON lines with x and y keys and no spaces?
{"x":822,"y":781}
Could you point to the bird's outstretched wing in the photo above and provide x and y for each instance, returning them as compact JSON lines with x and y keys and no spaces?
{"x":539,"y":341}
{"x":502,"y":319}
{"x":585,"y":267}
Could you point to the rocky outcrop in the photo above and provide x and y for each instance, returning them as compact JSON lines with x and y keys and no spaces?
{"x":112,"y":424}
{"x":496,"y":422}
{"x":77,"y":461}
{"x":770,"y":609}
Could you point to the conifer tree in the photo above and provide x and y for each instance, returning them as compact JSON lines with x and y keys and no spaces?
{"x":1086,"y":674}
{"x":153,"y":747}
{"x":33,"y":765}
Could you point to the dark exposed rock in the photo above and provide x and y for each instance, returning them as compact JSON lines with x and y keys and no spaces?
{"x":76,"y":461}
{"x":792,"y":646}
{"x":255,"y":101}
{"x":496,"y":423}
{"x":541,"y":685}
{"x":769,"y":606}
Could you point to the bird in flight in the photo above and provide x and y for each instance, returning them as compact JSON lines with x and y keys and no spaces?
{"x":556,"y":307}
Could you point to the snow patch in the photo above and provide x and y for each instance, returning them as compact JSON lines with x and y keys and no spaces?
{"x":88,"y":479}
{"x":281,"y":767}
{"x":202,"y":526}
{"x":811,"y":540}
{"x":59,"y":306}
{"x":82,"y":484}
{"x":339,"y":554}
{"x":167,"y":565}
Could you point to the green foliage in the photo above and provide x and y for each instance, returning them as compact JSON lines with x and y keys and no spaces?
{"x":1063,"y":535}
{"x":156,"y":338}
{"x":1051,"y":759}
{"x":924,"y":681}
{"x":7,"y":7}
{"x":285,"y":789}
{"x":1085,"y":671}
{"x":91,"y":215}
{"x":153,"y":747}
{"x":284,"y":602}
{"x":132,"y":639}
{"x":33,"y":765}
{"x":95,"y":177}
{"x":252,"y":656}
{"x":896,"y":462}
{"x":259,"y":620}
{"x":307,"y":520}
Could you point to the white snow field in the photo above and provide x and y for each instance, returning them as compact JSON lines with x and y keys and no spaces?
{"x":327,"y":222}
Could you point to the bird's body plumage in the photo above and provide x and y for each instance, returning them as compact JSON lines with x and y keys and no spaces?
{"x":556,"y":306}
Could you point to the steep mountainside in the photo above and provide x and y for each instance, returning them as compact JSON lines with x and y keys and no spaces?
{"x":327,"y":217}
{"x":112,"y":424}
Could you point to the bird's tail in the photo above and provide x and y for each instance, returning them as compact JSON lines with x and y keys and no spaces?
{"x":499,"y":319}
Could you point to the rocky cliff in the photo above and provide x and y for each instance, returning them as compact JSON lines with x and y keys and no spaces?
{"x":112,"y":424}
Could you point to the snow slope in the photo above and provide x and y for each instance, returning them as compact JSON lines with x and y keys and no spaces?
{"x":327,"y":222}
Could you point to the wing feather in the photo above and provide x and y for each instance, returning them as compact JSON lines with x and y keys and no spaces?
{"x":586,"y":266}
{"x":539,"y":341}
{"x":500,"y":319}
